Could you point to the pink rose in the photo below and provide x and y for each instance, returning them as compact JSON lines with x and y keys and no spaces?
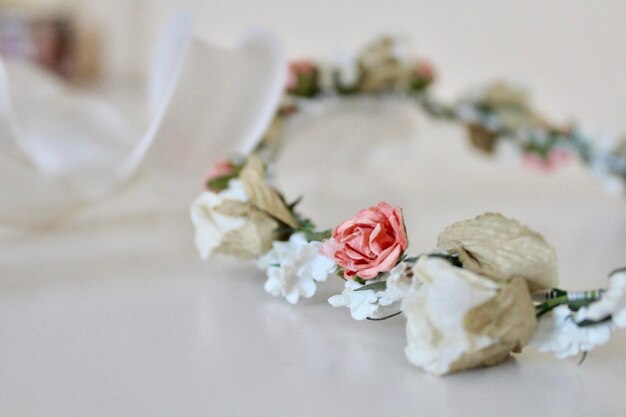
{"x":299,"y":67}
{"x":370,"y":243}
{"x":425,"y":70}
{"x":555,"y":159}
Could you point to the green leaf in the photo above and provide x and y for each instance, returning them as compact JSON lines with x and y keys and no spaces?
{"x":576,"y":305}
{"x":306,"y":225}
{"x":220,"y":183}
{"x":317,"y":236}
{"x":381,"y":285}
{"x":543,"y":309}
{"x":359,"y":280}
{"x":339,"y":273}
{"x":587,"y":323}
{"x":293,"y":205}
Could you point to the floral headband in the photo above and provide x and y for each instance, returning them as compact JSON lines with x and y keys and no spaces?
{"x":490,"y":287}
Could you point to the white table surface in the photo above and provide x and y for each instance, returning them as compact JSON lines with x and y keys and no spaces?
{"x":115,"y":315}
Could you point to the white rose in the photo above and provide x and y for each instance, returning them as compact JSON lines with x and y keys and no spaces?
{"x":457,"y":319}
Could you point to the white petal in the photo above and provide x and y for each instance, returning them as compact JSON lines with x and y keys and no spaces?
{"x":273,"y":284}
{"x":337,"y":301}
{"x":293,"y":297}
{"x":307,"y":288}
{"x":299,"y":264}
{"x":398,"y":283}
{"x":363,"y":311}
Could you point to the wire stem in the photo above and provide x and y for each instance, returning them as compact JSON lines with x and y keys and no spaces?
{"x":386,"y":317}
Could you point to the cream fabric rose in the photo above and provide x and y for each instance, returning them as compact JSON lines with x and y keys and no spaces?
{"x":384,"y":64}
{"x":226,"y":223}
{"x":457,"y":319}
{"x":511,"y":105}
{"x":501,"y":248}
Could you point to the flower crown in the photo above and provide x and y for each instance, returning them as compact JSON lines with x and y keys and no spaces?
{"x":490,"y":287}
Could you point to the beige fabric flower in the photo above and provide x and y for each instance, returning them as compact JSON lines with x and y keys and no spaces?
{"x":384,"y":65}
{"x":457,"y":319}
{"x":511,"y":105}
{"x":483,"y":139}
{"x":501,"y":249}
{"x":228,"y":223}
{"x":261,"y":195}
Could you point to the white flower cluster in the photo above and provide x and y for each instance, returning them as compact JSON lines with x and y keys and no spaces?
{"x":372,"y":303}
{"x":559,"y":332}
{"x":294,"y":267}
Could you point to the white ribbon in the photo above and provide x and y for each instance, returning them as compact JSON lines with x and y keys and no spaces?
{"x":61,"y":150}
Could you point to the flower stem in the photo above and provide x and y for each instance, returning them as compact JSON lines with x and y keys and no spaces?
{"x":573,"y":299}
{"x":386,"y":317}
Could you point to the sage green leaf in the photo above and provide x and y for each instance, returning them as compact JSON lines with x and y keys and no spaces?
{"x":376,"y":286}
{"x":318,"y":236}
{"x":263,"y":196}
{"x":501,"y":249}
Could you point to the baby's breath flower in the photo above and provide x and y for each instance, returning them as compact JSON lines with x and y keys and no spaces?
{"x":398,"y":282}
{"x":362,"y":304}
{"x":566,"y":333}
{"x":611,"y":304}
{"x":294,"y":267}
{"x":559,"y":333}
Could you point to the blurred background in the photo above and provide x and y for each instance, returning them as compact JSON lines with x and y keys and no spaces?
{"x":569,"y":52}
